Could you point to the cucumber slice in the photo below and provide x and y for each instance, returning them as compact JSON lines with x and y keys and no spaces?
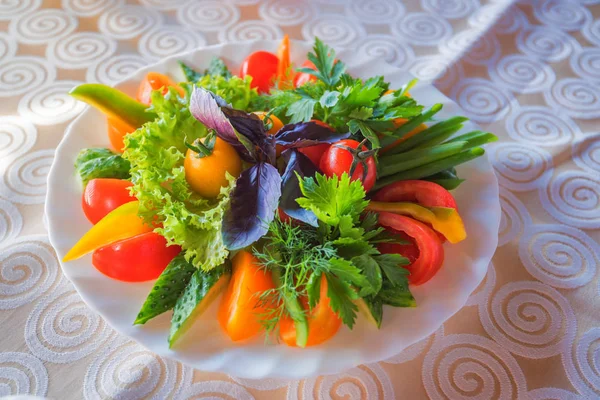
{"x":167,"y":289}
{"x":203,"y":289}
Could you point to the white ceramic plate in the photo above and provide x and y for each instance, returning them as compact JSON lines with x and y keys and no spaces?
{"x":205,"y":346}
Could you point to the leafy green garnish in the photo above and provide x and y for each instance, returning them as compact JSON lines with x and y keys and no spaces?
{"x":342,"y":249}
{"x":328,"y":70}
{"x":156,"y":152}
{"x":216,"y":67}
{"x":100,"y":163}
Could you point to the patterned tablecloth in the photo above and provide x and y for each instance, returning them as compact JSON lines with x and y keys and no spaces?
{"x":528,"y":71}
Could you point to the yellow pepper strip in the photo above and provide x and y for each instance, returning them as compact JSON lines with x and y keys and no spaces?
{"x":446,"y":221}
{"x":121,"y":223}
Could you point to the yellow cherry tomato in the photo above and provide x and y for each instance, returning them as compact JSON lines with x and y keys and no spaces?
{"x":276,"y":123}
{"x":206,"y":175}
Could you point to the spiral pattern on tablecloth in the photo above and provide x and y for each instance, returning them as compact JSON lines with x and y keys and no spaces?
{"x":546,"y":43}
{"x":484,"y":17}
{"x":168,"y":40}
{"x":449,"y":8}
{"x":472,"y":46}
{"x":513,"y":219}
{"x":481,"y":99}
{"x":568,"y":16}
{"x":592,"y":32}
{"x":25,"y":179}
{"x":530,"y":319}
{"x":10,"y":9}
{"x":581,"y":365}
{"x":263,"y":384}
{"x":416,"y":349}
{"x":519,"y":166}
{"x":541,"y":126}
{"x":422,"y":29}
{"x":586,"y":152}
{"x":335,"y":30}
{"x":575,"y":97}
{"x":510,"y":21}
{"x":387,"y":48}
{"x":586,"y":63}
{"x":42,"y":25}
{"x":126,"y":370}
{"x":28,"y":268}
{"x":429,"y":68}
{"x":8,"y":46}
{"x":164,"y":4}
{"x":471,"y":366}
{"x":62,"y":329}
{"x":128,"y":21}
{"x":573,"y":197}
{"x":80,"y":50}
{"x":376,"y":11}
{"x":552,"y":393}
{"x":523,"y":74}
{"x":216,"y":390}
{"x":558,"y":255}
{"x":208,"y":16}
{"x":89,"y":8}
{"x":286,"y":12}
{"x":17,"y":136}
{"x":51,"y":104}
{"x":11,"y":221}
{"x":20,"y":74}
{"x":250,"y":30}
{"x":22,"y":374}
{"x":364,"y":382}
{"x":114,"y":69}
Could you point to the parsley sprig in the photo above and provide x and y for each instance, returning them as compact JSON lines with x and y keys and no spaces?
{"x":342,"y":249}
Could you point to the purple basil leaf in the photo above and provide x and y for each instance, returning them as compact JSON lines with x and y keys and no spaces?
{"x":297,"y":164}
{"x":252,"y":128}
{"x":208,"y":108}
{"x":254,"y":201}
{"x":304,"y":134}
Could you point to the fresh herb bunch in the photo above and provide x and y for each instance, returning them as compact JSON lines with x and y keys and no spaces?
{"x":370,"y":110}
{"x":342,"y":248}
{"x":343,"y":102}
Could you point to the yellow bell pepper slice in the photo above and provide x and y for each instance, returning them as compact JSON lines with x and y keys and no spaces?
{"x":121,"y":223}
{"x":446,"y":221}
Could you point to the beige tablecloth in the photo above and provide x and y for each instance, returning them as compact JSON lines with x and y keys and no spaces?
{"x":528,"y":71}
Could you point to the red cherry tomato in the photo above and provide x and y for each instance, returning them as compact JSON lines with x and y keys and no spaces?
{"x":315,"y":153}
{"x":302,"y":77}
{"x":338,"y":159}
{"x":427,"y":194}
{"x":430,"y":250}
{"x":103,"y":195}
{"x":135,"y":259}
{"x":262,"y":67}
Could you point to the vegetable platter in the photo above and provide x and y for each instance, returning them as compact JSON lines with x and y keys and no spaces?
{"x":273,"y":209}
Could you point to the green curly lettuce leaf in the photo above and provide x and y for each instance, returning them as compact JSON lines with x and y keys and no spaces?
{"x":156,"y":152}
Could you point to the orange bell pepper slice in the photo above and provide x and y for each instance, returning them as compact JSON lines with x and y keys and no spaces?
{"x":155,"y":81}
{"x":323,"y":322}
{"x":285,"y":75}
{"x":240,"y":311}
{"x":117,"y":129}
{"x":121,"y":223}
